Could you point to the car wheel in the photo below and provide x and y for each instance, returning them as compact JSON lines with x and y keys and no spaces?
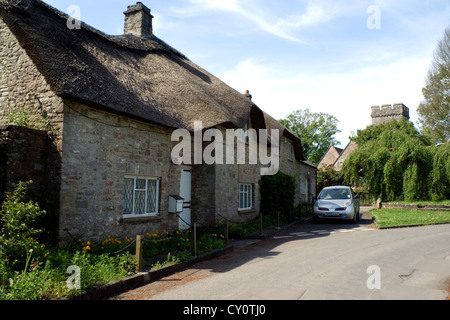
{"x":354,"y":217}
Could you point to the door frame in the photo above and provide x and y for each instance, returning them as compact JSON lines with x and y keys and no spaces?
{"x":186,"y":214}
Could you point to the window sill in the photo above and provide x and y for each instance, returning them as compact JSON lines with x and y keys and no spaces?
{"x":246,"y":211}
{"x":135,"y":219}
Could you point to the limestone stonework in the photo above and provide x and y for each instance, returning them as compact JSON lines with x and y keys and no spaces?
{"x":387,"y":113}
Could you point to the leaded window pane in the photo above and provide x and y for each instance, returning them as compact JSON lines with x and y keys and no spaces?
{"x":140,"y":184}
{"x":128,"y":196}
{"x":139,"y":203}
{"x":152,"y":194}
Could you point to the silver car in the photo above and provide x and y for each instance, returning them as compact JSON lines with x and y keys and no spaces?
{"x":336,"y":202}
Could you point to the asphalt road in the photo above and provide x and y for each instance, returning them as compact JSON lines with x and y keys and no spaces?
{"x":332,"y":261}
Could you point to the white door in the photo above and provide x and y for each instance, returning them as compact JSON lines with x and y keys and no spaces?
{"x":185,"y":192}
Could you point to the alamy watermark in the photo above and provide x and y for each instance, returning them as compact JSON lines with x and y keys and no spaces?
{"x":74,"y":280}
{"x":221,"y":150}
{"x":74,"y":19}
{"x":374,"y":20}
{"x":374,"y":280}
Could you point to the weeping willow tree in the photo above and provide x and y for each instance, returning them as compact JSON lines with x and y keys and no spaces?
{"x":440,"y":175}
{"x":393,"y":161}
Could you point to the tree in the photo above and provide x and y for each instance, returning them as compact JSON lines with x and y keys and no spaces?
{"x":328,"y":176}
{"x":393,"y":161}
{"x":440,"y":176}
{"x":316,"y":131}
{"x":434,"y":111}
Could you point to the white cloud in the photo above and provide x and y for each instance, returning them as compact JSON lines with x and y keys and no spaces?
{"x":316,"y":13}
{"x":287,"y":26}
{"x":349,"y":95}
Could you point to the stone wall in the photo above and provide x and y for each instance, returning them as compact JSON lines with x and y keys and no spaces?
{"x":30,"y":155}
{"x":27,"y":100}
{"x":24,"y":92}
{"x":305,"y":175}
{"x":415,"y":206}
{"x":99,"y":150}
{"x":388,"y":113}
{"x":216,"y":187}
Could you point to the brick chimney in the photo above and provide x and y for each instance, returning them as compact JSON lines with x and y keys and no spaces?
{"x":138,"y":20}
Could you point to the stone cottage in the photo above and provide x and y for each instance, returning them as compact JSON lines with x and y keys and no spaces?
{"x":110,"y":106}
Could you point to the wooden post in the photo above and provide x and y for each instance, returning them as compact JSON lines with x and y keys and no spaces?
{"x":260,"y":224}
{"x":138,"y":253}
{"x":227,"y":240}
{"x":194,"y":240}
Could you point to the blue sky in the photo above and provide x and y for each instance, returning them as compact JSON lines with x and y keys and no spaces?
{"x":340,"y":57}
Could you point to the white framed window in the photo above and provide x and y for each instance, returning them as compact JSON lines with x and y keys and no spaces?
{"x":245,"y":197}
{"x":290,"y":151}
{"x":140,"y":197}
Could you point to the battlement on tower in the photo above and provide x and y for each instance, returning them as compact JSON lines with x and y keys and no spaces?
{"x":387,"y":113}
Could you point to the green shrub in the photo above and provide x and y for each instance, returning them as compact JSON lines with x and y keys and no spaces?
{"x":101,"y":269}
{"x":17,"y":231}
{"x":277,"y":195}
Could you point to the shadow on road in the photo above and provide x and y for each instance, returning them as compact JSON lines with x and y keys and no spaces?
{"x":253,"y":251}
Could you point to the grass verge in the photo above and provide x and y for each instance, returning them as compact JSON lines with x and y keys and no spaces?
{"x":385,"y":218}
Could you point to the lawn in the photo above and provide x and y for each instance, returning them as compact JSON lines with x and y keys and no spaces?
{"x":401,"y":217}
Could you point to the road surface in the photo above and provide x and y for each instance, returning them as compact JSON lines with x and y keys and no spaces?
{"x":332,"y":261}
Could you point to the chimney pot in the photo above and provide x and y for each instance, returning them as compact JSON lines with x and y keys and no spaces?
{"x":248,"y":95}
{"x":138,"y":20}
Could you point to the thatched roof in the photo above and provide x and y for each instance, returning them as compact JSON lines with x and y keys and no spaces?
{"x":142,"y":78}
